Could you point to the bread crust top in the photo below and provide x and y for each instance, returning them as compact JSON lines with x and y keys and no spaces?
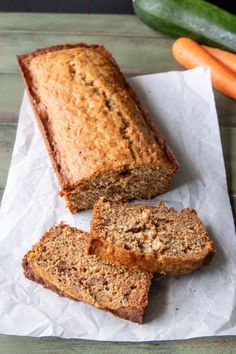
{"x":91,"y":120}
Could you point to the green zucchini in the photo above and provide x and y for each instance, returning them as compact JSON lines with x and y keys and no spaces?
{"x":197,"y":19}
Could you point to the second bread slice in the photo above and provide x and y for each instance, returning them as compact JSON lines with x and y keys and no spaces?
{"x":154,"y":239}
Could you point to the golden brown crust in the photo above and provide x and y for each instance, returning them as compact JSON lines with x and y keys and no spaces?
{"x":24,"y":61}
{"x":149,"y":262}
{"x":88,"y":170}
{"x":159,"y":138}
{"x":34,"y":273}
{"x":118,"y":255}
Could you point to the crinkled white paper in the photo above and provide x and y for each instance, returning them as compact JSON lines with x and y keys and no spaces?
{"x":200,"y":304}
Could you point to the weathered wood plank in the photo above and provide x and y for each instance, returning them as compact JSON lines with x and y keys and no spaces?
{"x":123,"y":25}
{"x":226,"y":109}
{"x":228,"y":136}
{"x":11,"y":92}
{"x":22,"y":345}
{"x":233,"y":205}
{"x":138,"y":49}
{"x":134,"y":55}
{"x":7,"y":138}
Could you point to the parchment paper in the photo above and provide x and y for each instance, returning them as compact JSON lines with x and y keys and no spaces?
{"x":200,"y":304}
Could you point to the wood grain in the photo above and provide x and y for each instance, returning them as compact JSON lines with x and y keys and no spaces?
{"x":11,"y":93}
{"x":10,"y":103}
{"x":127,"y":50}
{"x":49,"y":345}
{"x":125,"y":25}
{"x":139,"y":50}
{"x":228,"y":136}
{"x":7,"y":138}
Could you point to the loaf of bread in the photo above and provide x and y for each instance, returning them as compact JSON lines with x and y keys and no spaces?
{"x":60,"y":262}
{"x":99,"y":137}
{"x":154,"y":239}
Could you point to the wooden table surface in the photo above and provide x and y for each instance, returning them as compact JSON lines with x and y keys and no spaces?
{"x":138,"y":50}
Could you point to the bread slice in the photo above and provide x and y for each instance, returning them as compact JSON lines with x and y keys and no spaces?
{"x":100,"y":139}
{"x":59,"y":261}
{"x":153,"y":239}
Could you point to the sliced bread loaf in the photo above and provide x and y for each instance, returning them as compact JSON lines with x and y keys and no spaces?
{"x":60,"y":262}
{"x":153,"y":239}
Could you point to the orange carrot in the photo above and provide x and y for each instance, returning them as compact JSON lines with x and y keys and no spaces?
{"x":190,"y":54}
{"x":226,"y":58}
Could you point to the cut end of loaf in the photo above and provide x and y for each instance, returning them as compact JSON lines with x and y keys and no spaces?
{"x":126,"y":184}
{"x":59,"y":261}
{"x":154,"y":239}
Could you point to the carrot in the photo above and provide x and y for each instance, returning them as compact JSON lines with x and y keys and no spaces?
{"x":226,"y":58}
{"x":190,"y":54}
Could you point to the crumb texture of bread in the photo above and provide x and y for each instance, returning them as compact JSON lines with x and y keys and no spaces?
{"x":60,"y":262}
{"x":100,"y":139}
{"x":154,"y":239}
